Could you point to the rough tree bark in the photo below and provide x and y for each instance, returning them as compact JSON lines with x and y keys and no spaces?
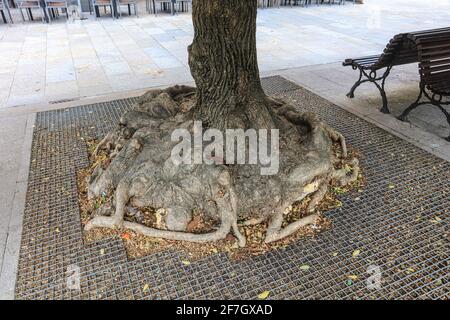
{"x":228,"y":94}
{"x":224,"y":65}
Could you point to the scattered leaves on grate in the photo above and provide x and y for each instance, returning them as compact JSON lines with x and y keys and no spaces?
{"x":398,"y":229}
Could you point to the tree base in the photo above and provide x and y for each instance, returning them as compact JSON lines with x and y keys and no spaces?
{"x":134,"y":170}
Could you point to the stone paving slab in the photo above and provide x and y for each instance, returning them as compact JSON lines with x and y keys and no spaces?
{"x":15,"y":142}
{"x":406,"y":239}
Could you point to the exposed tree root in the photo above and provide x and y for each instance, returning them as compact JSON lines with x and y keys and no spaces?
{"x":140,"y":172}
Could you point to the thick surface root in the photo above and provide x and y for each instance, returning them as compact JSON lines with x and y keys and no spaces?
{"x":138,"y":171}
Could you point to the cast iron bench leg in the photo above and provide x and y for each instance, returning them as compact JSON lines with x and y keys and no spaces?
{"x":351,"y":93}
{"x":415,"y":104}
{"x":384,"y":108}
{"x":372,"y":77}
{"x":447,"y":115}
{"x":432,"y":101}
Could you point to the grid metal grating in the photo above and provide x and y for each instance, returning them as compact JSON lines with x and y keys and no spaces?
{"x":403,"y":230}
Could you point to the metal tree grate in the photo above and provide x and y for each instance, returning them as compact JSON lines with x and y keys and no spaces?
{"x":398,"y":222}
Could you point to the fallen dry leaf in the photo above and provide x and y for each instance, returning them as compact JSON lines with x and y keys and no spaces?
{"x":194,"y":224}
{"x":410,"y":270}
{"x":263,"y":295}
{"x":356,"y":253}
{"x":125,"y":236}
{"x":310,"y":187}
{"x":304,"y":267}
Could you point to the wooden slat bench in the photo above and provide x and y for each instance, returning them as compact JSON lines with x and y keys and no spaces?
{"x":429,"y":48}
{"x":434,"y":67}
{"x":397,"y":52}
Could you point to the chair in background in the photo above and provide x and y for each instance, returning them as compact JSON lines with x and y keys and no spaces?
{"x":334,"y":1}
{"x":103,"y":3}
{"x":52,"y":6}
{"x":295,"y":2}
{"x":152,"y":4}
{"x":184,"y":4}
{"x":269,"y":3}
{"x":4,"y":9}
{"x":303,"y":3}
{"x":128,"y":3}
{"x":148,"y":5}
{"x":29,"y":5}
{"x":275,"y":3}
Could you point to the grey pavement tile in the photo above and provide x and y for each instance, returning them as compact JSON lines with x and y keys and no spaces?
{"x":157,"y":52}
{"x":90,"y":75}
{"x":117,"y":68}
{"x":163,"y":38}
{"x":3,"y":237}
{"x":86,"y":62}
{"x":147,"y":42}
{"x":26,"y":85}
{"x":22,"y":100}
{"x":61,"y":90}
{"x":123,"y":82}
{"x":167,"y":62}
{"x":12,"y":131}
{"x":10,"y":263}
{"x":139,"y":58}
{"x":32,"y":70}
{"x":149,"y":69}
{"x":154,"y":31}
{"x":16,"y":216}
{"x":94,"y":90}
{"x":59,"y":75}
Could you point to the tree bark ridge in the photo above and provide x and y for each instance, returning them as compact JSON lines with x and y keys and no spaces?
{"x":223,"y":62}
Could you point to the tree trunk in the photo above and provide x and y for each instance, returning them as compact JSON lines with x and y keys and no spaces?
{"x":224,"y":65}
{"x":139,"y":170}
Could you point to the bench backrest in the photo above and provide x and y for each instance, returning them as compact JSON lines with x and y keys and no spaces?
{"x":434,"y":54}
{"x":402,"y":48}
{"x":398,"y":51}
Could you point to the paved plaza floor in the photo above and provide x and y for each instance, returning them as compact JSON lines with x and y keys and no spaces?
{"x":66,"y":64}
{"x":68,"y":60}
